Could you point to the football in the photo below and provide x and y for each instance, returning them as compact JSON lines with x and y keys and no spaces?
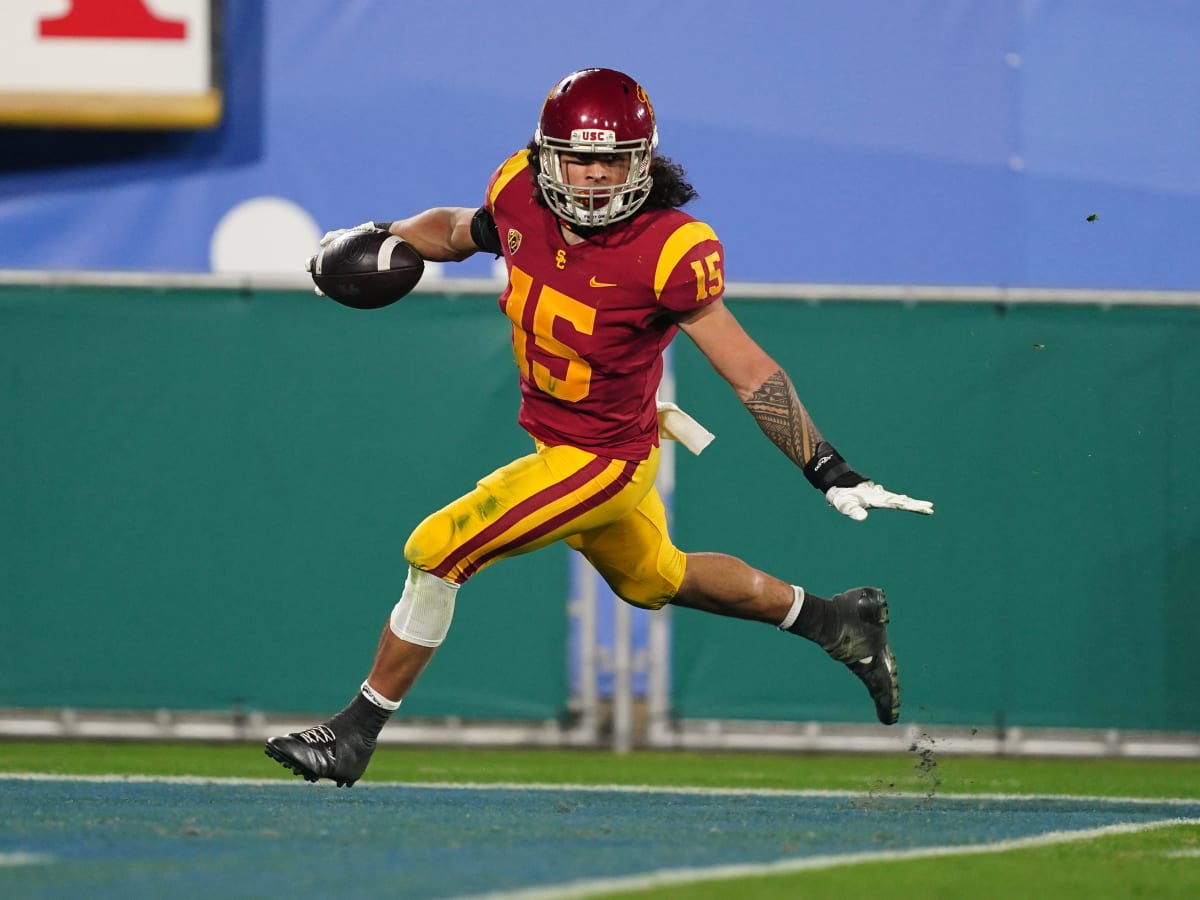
{"x":366,"y":269}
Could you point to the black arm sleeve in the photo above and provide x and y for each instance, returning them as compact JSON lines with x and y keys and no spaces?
{"x":484,"y":232}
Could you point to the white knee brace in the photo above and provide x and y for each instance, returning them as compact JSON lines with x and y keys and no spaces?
{"x":425,"y":609}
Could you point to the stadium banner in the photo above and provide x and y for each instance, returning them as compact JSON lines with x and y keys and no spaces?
{"x":948,"y":142}
{"x":110,"y":64}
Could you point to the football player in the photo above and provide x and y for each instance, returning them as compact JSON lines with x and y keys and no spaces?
{"x":604,"y":268}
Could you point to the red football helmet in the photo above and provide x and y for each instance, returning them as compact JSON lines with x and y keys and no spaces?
{"x":596,"y":111}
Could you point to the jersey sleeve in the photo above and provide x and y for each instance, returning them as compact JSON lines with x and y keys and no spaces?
{"x":509,"y":169}
{"x":690,"y":272}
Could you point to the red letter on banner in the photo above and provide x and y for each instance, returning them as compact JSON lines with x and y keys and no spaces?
{"x":112,"y":19}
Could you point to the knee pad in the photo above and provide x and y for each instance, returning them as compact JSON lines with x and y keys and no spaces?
{"x":425,"y":609}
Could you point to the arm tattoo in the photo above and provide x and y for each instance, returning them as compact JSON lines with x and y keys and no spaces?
{"x":783,"y":418}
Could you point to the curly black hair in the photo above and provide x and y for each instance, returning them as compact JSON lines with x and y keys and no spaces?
{"x":670,"y":188}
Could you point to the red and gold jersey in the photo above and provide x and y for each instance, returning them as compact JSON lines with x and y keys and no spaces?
{"x":590,"y":321}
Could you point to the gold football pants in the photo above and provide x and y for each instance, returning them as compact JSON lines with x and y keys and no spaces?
{"x":608,"y":509}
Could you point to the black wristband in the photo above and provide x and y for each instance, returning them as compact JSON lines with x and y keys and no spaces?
{"x":827,"y":469}
{"x":383,"y":226}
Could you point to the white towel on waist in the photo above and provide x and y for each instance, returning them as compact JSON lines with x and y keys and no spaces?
{"x":676,"y":425}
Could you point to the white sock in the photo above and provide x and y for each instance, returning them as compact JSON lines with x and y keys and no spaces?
{"x":794,"y":613}
{"x":378,"y":699}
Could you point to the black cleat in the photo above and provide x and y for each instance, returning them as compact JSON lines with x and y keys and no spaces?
{"x":862,"y":644}
{"x":319,"y":752}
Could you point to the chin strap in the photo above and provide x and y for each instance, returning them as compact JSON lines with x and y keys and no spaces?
{"x":584,"y":231}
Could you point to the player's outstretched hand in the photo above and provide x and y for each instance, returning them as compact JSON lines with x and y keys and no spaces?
{"x":855,"y":501}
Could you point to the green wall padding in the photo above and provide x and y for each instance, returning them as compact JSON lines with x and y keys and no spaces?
{"x":1058,"y":583}
{"x":206,"y":495}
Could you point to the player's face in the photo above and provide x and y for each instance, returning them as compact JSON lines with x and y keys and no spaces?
{"x":594,"y":169}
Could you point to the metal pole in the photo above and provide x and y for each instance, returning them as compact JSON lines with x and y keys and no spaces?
{"x":658,"y":657}
{"x":583,"y":610}
{"x":622,"y":731}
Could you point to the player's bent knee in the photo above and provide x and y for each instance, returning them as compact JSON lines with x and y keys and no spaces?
{"x":645,"y":596}
{"x":645,"y":587}
{"x":430,"y":541}
{"x":425,"y":609}
{"x":647,"y":602}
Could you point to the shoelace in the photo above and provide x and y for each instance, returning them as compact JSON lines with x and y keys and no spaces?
{"x":318,"y":734}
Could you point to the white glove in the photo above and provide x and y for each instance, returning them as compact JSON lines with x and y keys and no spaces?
{"x":676,"y":425}
{"x":855,"y":501}
{"x":308,"y":267}
{"x":331,"y":236}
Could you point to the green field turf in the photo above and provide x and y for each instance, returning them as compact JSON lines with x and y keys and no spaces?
{"x":920,"y":772}
{"x":1163,"y":862}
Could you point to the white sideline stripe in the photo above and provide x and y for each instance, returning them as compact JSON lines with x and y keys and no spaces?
{"x":24,"y":859}
{"x":575,"y":890}
{"x":915,"y":794}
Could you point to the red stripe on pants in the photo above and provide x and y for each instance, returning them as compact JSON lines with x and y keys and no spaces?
{"x":522,"y":510}
{"x":562,"y":518}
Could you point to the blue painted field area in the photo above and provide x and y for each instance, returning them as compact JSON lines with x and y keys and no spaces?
{"x":140,"y":838}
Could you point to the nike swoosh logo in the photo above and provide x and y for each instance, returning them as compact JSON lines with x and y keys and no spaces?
{"x":595,"y":283}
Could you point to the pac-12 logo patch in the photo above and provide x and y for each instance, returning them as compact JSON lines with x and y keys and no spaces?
{"x":514,"y":240}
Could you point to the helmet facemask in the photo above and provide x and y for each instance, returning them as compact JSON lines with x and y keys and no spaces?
{"x":595,"y":206}
{"x":595,"y":112}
